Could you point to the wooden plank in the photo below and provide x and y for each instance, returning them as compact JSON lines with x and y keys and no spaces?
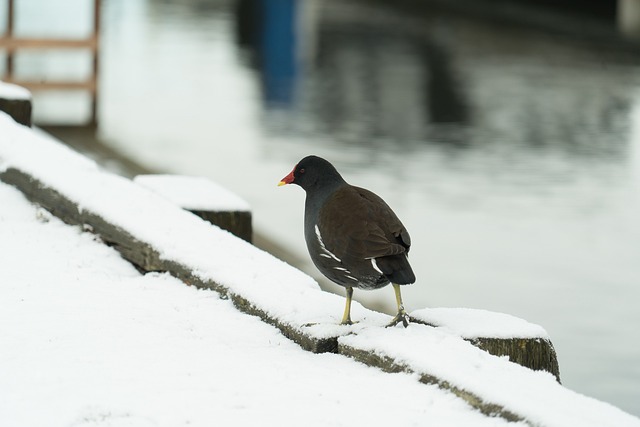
{"x":14,"y":43}
{"x":90,"y":85}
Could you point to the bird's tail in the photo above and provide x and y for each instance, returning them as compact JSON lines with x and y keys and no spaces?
{"x":397,"y":269}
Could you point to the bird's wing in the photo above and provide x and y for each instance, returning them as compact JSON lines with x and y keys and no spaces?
{"x":363,"y":226}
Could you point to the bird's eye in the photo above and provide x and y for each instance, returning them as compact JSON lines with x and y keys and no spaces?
{"x":301,"y":170}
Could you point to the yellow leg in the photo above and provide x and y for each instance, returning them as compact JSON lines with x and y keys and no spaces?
{"x":346,"y":317}
{"x":402,"y":315}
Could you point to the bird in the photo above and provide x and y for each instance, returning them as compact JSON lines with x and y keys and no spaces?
{"x":354,"y":238}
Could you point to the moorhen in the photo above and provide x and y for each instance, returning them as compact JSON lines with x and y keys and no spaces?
{"x":353,"y":236}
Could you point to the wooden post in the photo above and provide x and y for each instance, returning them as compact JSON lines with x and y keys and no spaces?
{"x":95,"y":61}
{"x":534,"y":353}
{"x":16,"y":102}
{"x":9,"y":35}
{"x":204,"y":198}
{"x":236,"y":222}
{"x":500,"y":334}
{"x":11,"y":44}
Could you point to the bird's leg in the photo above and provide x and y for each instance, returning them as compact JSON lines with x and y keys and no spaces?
{"x":346,"y":317}
{"x":402,"y":315}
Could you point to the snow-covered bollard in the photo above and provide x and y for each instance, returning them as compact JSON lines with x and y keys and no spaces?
{"x":500,"y":334}
{"x":16,"y":102}
{"x":204,"y":198}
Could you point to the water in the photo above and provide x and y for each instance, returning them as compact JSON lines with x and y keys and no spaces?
{"x":512,"y":155}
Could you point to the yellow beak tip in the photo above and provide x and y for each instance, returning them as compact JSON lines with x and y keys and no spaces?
{"x":281,"y":183}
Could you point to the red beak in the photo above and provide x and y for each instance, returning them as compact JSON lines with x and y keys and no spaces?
{"x":287,"y":179}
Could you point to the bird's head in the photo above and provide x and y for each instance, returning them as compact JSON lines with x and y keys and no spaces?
{"x":311,"y":172}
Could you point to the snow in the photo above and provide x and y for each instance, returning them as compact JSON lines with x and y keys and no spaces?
{"x":88,"y":341}
{"x":475,"y":323}
{"x":193,"y":193}
{"x":13,"y":92}
{"x":91,"y":342}
{"x":275,"y":287}
{"x":533,"y":394}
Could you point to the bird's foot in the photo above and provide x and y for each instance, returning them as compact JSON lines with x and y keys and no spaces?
{"x":347,"y":322}
{"x":402,"y":316}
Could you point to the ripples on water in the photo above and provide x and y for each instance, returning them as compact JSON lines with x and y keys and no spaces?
{"x":511,"y":154}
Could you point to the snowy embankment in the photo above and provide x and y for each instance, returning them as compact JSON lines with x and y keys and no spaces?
{"x":161,"y":236}
{"x":85,"y":340}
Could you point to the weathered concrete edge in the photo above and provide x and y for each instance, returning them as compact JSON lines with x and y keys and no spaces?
{"x":146,"y":258}
{"x":388,"y":364}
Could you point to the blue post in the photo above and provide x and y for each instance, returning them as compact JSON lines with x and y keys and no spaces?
{"x":279,"y":59}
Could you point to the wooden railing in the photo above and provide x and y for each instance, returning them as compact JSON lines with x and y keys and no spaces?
{"x":10,"y":43}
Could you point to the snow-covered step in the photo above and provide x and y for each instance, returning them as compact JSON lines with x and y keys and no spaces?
{"x":500,"y":334}
{"x":154,"y":233}
{"x":157,"y":235}
{"x":485,"y":381}
{"x":205,"y":198}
